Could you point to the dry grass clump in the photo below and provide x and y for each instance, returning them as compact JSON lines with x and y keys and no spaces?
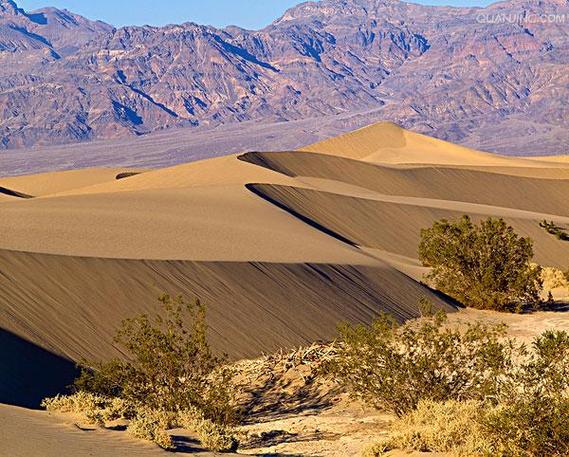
{"x":152,"y":425}
{"x":440,"y":427}
{"x":95,"y":409}
{"x":143,"y":422}
{"x":554,"y":278}
{"x":451,"y":426}
{"x":522,"y":428}
{"x":213,"y":436}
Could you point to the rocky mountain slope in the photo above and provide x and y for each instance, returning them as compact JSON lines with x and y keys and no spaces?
{"x":496,"y":78}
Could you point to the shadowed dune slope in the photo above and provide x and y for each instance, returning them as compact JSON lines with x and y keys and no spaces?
{"x":72,"y":305}
{"x":394,"y":224}
{"x":23,"y":364}
{"x":532,"y":194}
{"x":9,"y":194}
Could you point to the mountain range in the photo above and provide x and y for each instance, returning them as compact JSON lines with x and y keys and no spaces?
{"x":495,"y":78}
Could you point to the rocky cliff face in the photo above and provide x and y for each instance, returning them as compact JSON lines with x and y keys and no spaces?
{"x":496,"y":77}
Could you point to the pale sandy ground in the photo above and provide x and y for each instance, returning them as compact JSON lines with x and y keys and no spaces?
{"x":281,"y":246}
{"x":27,"y":433}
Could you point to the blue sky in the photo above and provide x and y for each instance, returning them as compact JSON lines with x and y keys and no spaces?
{"x":245,"y":13}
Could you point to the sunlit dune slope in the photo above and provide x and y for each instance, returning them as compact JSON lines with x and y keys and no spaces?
{"x":385,"y":142}
{"x":61,"y":181}
{"x":205,"y":223}
{"x":219,"y":171}
{"x":393,"y":224}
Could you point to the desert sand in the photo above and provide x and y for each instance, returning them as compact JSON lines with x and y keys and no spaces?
{"x":36,"y":433}
{"x":281,"y":246}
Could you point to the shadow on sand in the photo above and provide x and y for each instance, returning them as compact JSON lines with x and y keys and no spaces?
{"x":29,"y":373}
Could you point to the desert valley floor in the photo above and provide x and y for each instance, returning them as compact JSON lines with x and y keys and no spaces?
{"x":281,"y":246}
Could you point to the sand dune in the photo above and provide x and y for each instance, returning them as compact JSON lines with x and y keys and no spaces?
{"x":285,"y":243}
{"x":71,"y":306}
{"x":220,"y":171}
{"x":398,"y":221}
{"x":60,"y":181}
{"x":226,"y":223}
{"x":444,"y":183}
{"x":385,"y":142}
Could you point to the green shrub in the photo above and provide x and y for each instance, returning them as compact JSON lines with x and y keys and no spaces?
{"x":395,"y":367}
{"x":532,"y":418}
{"x":169,"y":365}
{"x":484,"y":266}
{"x":553,"y":229}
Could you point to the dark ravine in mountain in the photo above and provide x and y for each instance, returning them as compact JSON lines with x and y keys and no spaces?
{"x":496,"y":78}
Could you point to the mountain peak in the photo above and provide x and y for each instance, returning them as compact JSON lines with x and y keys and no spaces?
{"x":9,"y":7}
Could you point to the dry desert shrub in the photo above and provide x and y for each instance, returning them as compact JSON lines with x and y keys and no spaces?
{"x":553,"y":278}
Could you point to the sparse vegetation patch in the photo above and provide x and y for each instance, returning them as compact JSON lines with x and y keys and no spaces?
{"x":171,"y":374}
{"x":553,"y":229}
{"x":441,"y":382}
